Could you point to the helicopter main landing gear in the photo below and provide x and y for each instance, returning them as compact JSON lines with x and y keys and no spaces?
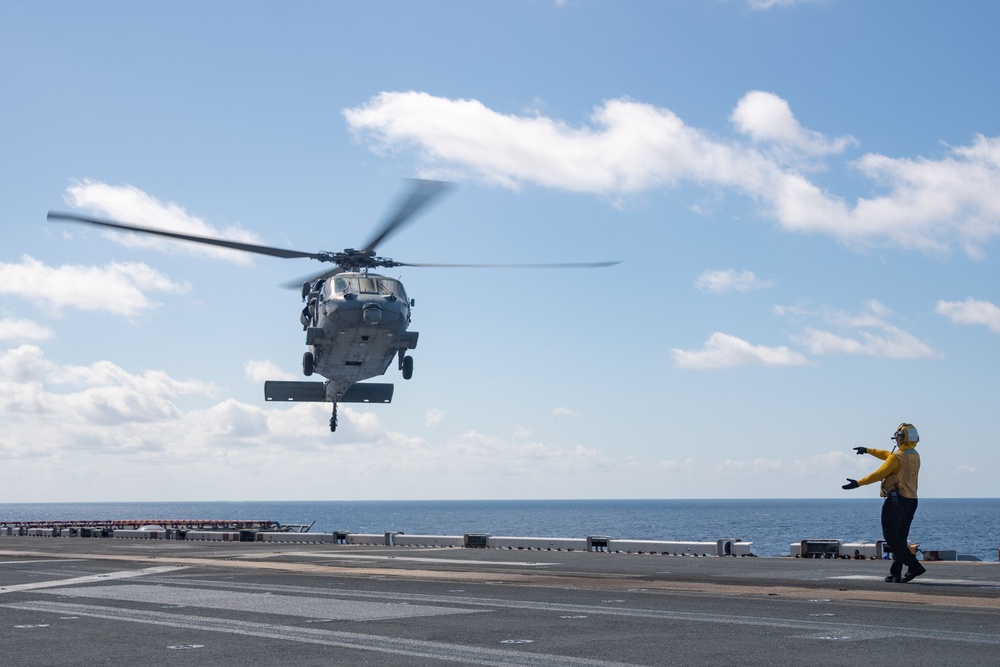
{"x":406,"y":364}
{"x":333,"y":419}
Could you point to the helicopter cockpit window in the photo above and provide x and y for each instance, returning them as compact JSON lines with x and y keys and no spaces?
{"x":390,"y":287}
{"x":341,"y":285}
{"x":368,"y":285}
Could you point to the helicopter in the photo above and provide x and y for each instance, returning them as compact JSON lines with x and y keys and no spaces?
{"x":356,"y":321}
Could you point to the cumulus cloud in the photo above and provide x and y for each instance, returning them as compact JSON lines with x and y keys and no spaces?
{"x":971,"y":311}
{"x":264,"y":370}
{"x":128,"y":204}
{"x":23,"y":364}
{"x":104,"y":402}
{"x":564,"y":412}
{"x":721,"y":281}
{"x":152,"y":436}
{"x":628,"y":147}
{"x":11,"y":329}
{"x":768,"y":119}
{"x":118,"y":287}
{"x":867,"y":333}
{"x":725,"y":351}
{"x":54,"y":411}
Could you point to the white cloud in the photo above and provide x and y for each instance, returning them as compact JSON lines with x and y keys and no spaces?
{"x":564,"y":412}
{"x":718,"y":282}
{"x":134,"y":419}
{"x":971,"y":311}
{"x":116,"y":287}
{"x":23,"y":364}
{"x":868,"y":333}
{"x":725,"y":351}
{"x":767,"y":118}
{"x":931,"y":201}
{"x":105,"y":404}
{"x":434,"y":417}
{"x":130,"y":205}
{"x":11,"y":329}
{"x":264,"y":370}
{"x":149,"y":436}
{"x":628,"y":147}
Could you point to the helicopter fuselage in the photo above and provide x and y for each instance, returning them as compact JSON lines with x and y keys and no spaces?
{"x":356,"y":325}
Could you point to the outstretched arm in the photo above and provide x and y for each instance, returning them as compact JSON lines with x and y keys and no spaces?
{"x":890,"y":466}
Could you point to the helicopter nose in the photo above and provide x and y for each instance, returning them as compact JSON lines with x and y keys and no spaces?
{"x":372,"y":314}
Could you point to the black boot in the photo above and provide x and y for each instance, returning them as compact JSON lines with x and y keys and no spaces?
{"x":913,"y":572}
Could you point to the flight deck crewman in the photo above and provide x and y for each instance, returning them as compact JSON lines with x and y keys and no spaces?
{"x":899,"y":488}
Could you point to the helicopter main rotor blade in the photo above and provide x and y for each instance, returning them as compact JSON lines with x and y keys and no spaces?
{"x":563,"y":265}
{"x":423,"y":192}
{"x":234,"y":245}
{"x":296,"y":284}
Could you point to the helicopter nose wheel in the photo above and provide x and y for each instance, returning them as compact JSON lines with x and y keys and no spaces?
{"x":308,"y":364}
{"x":407,"y":367}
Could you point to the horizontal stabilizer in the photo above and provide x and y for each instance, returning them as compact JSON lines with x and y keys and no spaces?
{"x":368,"y":392}
{"x":277,"y":390}
{"x":315,"y":392}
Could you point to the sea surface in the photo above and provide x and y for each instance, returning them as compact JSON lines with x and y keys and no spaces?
{"x":969,"y":526}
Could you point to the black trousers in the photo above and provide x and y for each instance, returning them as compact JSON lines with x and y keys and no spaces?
{"x":897,"y":515}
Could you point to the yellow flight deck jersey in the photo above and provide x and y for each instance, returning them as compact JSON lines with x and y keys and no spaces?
{"x":899,"y":472}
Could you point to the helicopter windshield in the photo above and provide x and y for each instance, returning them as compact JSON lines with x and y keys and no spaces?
{"x":388,"y":287}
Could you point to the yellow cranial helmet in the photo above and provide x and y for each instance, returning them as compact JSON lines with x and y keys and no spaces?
{"x":906,"y":434}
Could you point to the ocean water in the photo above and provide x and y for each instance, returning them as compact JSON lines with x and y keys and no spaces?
{"x":969,"y":526}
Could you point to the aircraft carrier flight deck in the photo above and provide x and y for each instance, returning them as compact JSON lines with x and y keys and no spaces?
{"x":125,"y":602}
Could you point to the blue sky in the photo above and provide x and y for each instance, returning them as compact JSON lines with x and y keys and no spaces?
{"x":806,"y":197}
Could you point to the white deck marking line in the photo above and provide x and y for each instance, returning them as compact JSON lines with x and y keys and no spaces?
{"x":261,"y":602}
{"x":46,"y":561}
{"x":417,"y":648}
{"x":415,"y":559}
{"x":925,"y":580}
{"x":90,"y":579}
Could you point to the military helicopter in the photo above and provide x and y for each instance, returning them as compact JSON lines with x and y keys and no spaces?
{"x":356,"y":321}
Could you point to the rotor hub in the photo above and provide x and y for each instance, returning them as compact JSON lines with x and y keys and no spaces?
{"x":355,"y":260}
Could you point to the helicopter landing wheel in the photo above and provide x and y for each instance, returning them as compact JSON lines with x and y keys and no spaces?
{"x":308,"y":364}
{"x":333,"y":419}
{"x":407,"y":367}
